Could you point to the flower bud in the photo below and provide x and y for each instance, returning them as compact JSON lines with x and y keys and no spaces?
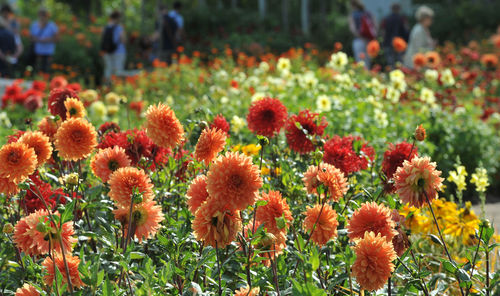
{"x":71,"y":179}
{"x":8,"y":228}
{"x":318,"y":155}
{"x":41,"y":227}
{"x":263,"y":141}
{"x":420,"y":133}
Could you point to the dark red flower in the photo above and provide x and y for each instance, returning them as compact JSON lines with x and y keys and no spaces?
{"x":221,"y":123}
{"x":14,"y":137}
{"x":349,"y":154}
{"x":266,"y":117}
{"x":299,"y":130}
{"x":39,"y":85}
{"x":108,"y":127}
{"x":394,"y":158}
{"x":31,"y":202}
{"x":56,"y":101}
{"x":75,"y":86}
{"x":11,"y":94}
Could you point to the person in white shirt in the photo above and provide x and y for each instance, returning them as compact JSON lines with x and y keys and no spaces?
{"x":176,"y":15}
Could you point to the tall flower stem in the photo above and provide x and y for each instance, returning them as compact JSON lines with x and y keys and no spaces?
{"x":389,"y":292}
{"x":59,"y":237}
{"x":442,"y":239}
{"x":475,"y":257}
{"x":487,"y":271}
{"x":275,"y":272}
{"x":218,"y":267}
{"x":129,"y":231}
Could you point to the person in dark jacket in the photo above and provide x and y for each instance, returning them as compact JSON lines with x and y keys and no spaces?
{"x":166,"y":30}
{"x":7,"y":48}
{"x":393,"y":25}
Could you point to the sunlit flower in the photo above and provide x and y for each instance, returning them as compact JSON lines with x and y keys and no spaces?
{"x":234,"y":180}
{"x":480,"y":179}
{"x":8,"y":187}
{"x":163,"y":127}
{"x":301,"y":128}
{"x":247,"y":292}
{"x":108,"y":160}
{"x":216,"y":225}
{"x":35,"y":234}
{"x":275,"y":208}
{"x":210,"y":143}
{"x":75,"y":139}
{"x":322,"y":222}
{"x":323,"y":103}
{"x":89,"y":95}
{"x":334,"y":180}
{"x":417,"y":180}
{"x":371,"y":217}
{"x":427,"y":96}
{"x":447,"y":77}
{"x":56,"y":101}
{"x":433,"y":59}
{"x":112,"y":98}
{"x":27,"y":290}
{"x":74,"y":108}
{"x":73,"y":262}
{"x":394,"y":157}
{"x":458,"y":177}
{"x":40,"y":143}
{"x":283,"y":64}
{"x":431,"y":75}
{"x":17,"y":161}
{"x":237,"y":123}
{"x":340,"y":152}
{"x":125,"y":182}
{"x":197,"y":193}
{"x":338,"y":61}
{"x":48,"y":127}
{"x":419,"y":60}
{"x":146,"y":219}
{"x":373,"y":265}
{"x":266,"y":117}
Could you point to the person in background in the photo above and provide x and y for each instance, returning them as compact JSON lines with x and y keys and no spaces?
{"x":179,"y":20}
{"x":393,"y":25}
{"x":113,"y":47}
{"x":7,"y":48}
{"x":44,"y":35}
{"x":13,"y":25}
{"x":420,"y":36}
{"x":362,"y":27}
{"x":165,"y":35}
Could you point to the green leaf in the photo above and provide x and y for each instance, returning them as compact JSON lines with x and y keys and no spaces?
{"x":314,"y":260}
{"x":462,"y":275}
{"x":449,"y":266}
{"x":436,"y":239}
{"x":67,"y":215}
{"x":137,"y":255}
{"x":307,"y":289}
{"x":280,"y":222}
{"x":261,"y":203}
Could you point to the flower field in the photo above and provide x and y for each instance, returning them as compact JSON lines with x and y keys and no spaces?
{"x":269,"y":175}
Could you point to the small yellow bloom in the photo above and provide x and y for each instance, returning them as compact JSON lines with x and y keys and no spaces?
{"x":480,"y":179}
{"x":458,"y":177}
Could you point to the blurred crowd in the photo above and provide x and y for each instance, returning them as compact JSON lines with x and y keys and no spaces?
{"x":44,"y":35}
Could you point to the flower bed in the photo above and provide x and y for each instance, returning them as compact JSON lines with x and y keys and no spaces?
{"x":282,"y":176}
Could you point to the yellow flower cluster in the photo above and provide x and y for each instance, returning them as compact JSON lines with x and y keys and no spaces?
{"x":249,"y":150}
{"x":480,"y":179}
{"x":458,"y":177}
{"x":456,"y":223}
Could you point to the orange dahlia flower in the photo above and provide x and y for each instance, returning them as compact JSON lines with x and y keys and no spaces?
{"x":275,"y":208}
{"x":326,"y":223}
{"x":245,"y":291}
{"x":419,"y":60}
{"x":216,"y":225}
{"x":210,"y":143}
{"x":234,"y":180}
{"x":332,"y":178}
{"x":416,"y":179}
{"x":373,"y":265}
{"x":27,"y":290}
{"x":310,"y":179}
{"x":108,"y":160}
{"x":49,"y":127}
{"x":373,"y":48}
{"x":74,"y":274}
{"x":74,"y":108}
{"x":40,"y":143}
{"x":163,"y":127}
{"x":125,"y":181}
{"x":371,"y":217}
{"x":433,"y":59}
{"x":17,"y":161}
{"x":197,"y":193}
{"x":75,"y":139}
{"x":146,"y":219}
{"x":8,"y":187}
{"x":399,"y":44}
{"x":489,"y":60}
{"x":32,"y":233}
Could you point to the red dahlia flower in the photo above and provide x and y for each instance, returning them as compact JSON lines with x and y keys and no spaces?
{"x":395,"y":156}
{"x":266,"y":117}
{"x":56,"y":101}
{"x":221,"y":123}
{"x":340,"y":152}
{"x":307,"y":121}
